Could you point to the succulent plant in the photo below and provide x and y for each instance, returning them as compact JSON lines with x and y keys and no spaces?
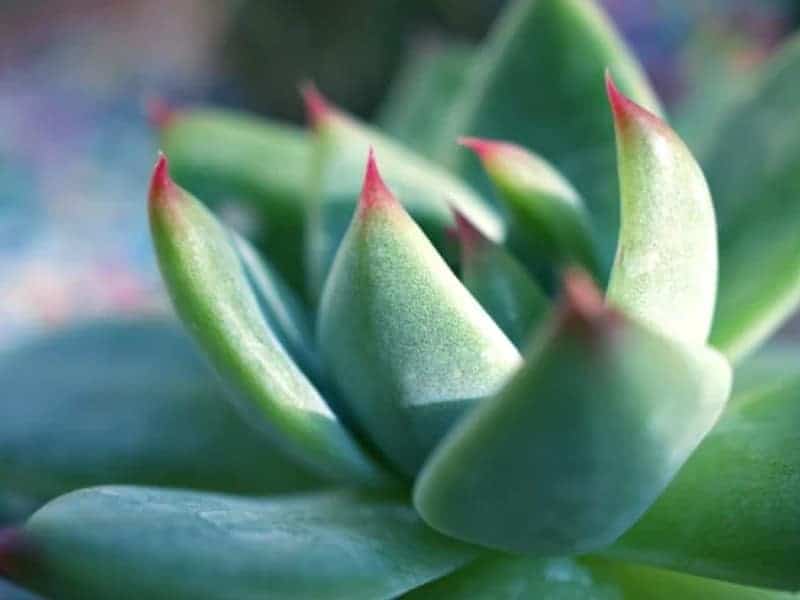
{"x":509,"y":368}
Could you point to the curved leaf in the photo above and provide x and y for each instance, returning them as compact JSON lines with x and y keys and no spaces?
{"x":542,"y":65}
{"x":210,"y":291}
{"x":581,"y":441}
{"x":408,"y":346}
{"x":665,"y":270}
{"x":149,"y":543}
{"x":91,"y":404}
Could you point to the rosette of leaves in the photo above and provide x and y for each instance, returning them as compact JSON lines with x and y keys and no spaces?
{"x":501,"y":369}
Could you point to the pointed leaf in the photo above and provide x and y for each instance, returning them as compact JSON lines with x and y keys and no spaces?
{"x":91,"y":405}
{"x":753,"y":172}
{"x":224,"y":155}
{"x":500,"y":283}
{"x":665,"y":270}
{"x":426,"y":190}
{"x":209,"y":288}
{"x":553,"y":103}
{"x":160,"y":544}
{"x":580,"y":442}
{"x":408,"y":346}
{"x":547,"y":217}
{"x":732,"y":512}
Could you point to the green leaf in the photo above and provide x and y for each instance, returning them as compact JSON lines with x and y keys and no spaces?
{"x":770,"y":368}
{"x":160,"y":544}
{"x":407,"y":345}
{"x":210,"y":291}
{"x":426,"y":190}
{"x":753,"y":173}
{"x":262,"y":165}
{"x":581,"y":441}
{"x":421,"y":95}
{"x":732,"y":512}
{"x":547,"y":218}
{"x":91,"y":404}
{"x":538,"y":81}
{"x":665,"y":270}
{"x":515,"y":578}
{"x":500,"y":283}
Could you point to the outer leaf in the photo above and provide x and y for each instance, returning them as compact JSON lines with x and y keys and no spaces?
{"x":732,"y":511}
{"x":500,"y":283}
{"x":8,"y":591}
{"x":149,"y":543}
{"x":211,"y":293}
{"x":581,"y":441}
{"x":404,"y":340}
{"x":753,"y":172}
{"x":515,"y":578}
{"x":226,"y":155}
{"x":426,"y":190}
{"x":91,"y":404}
{"x":512,"y":96}
{"x":547,"y":217}
{"x":421,"y":96}
{"x":665,"y":271}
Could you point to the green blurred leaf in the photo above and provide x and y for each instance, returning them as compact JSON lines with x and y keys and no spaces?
{"x":407,"y":345}
{"x":9,"y":591}
{"x":126,"y":401}
{"x":581,"y":441}
{"x":210,"y":290}
{"x":733,"y":512}
{"x":538,"y":81}
{"x":159,"y":544}
{"x":263,"y":166}
{"x":753,"y":170}
{"x":665,"y":269}
{"x":422,"y":94}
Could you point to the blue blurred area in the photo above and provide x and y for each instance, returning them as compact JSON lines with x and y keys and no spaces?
{"x":75,"y":150}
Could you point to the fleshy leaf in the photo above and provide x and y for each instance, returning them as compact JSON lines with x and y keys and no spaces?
{"x":426,"y":190}
{"x":500,"y":283}
{"x":162,"y":544}
{"x":538,"y":82}
{"x":665,"y":270}
{"x":127,"y":402}
{"x":512,"y":578}
{"x":547,"y":217}
{"x":9,"y":591}
{"x":211,"y":293}
{"x":407,"y":344}
{"x":422,"y":94}
{"x":732,"y":512}
{"x":753,"y":173}
{"x":581,"y":441}
{"x":262,"y":165}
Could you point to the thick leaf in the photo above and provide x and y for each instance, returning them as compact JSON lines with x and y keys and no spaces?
{"x":516,"y":578}
{"x":9,"y":591}
{"x":421,"y":96}
{"x":125,"y":401}
{"x":548,"y":221}
{"x":224,"y":156}
{"x":581,"y":441}
{"x":733,"y":512}
{"x":408,"y":346}
{"x":770,"y":368}
{"x":114,"y":542}
{"x":500,"y":283}
{"x":754,"y":173}
{"x":665,"y":270}
{"x":538,"y":81}
{"x":425,"y":189}
{"x":210,"y":290}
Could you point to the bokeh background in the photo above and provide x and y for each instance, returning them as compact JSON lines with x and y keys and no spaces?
{"x":76,"y":148}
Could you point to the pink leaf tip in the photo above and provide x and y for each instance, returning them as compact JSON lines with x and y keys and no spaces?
{"x":374,"y":190}
{"x":469,"y":236}
{"x":482,"y":147}
{"x":583,"y":304}
{"x":160,"y":182}
{"x":626,"y":110}
{"x":159,"y":112}
{"x":317,"y":106}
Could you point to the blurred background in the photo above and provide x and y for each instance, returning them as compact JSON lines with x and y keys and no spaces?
{"x":76,"y":148}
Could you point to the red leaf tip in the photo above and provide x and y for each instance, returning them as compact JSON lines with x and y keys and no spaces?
{"x":469,"y":236}
{"x":317,"y":106}
{"x":626,"y":110}
{"x":159,"y":112}
{"x":583,"y":305}
{"x":160,"y":182}
{"x":482,"y":147}
{"x":15,"y":551}
{"x":374,"y":190}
